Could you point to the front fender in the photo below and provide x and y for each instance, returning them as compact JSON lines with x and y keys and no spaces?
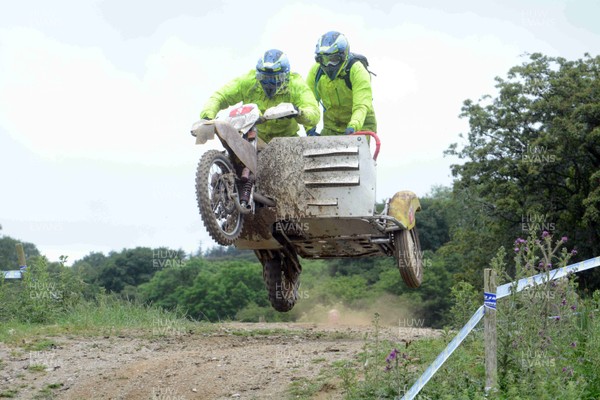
{"x":244,"y":150}
{"x":203,"y":131}
{"x":403,"y":207}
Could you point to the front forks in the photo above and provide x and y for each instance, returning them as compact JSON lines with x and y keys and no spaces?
{"x":245,"y":203}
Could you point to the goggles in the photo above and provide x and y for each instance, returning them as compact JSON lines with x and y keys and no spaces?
{"x":271,"y":79}
{"x":272,"y":83}
{"x":330,"y":59}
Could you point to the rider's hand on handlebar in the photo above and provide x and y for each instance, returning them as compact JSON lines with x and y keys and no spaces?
{"x":294,"y":115}
{"x":349,"y":131}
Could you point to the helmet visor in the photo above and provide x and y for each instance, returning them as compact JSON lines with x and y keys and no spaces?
{"x":332,"y":60}
{"x":272,"y":83}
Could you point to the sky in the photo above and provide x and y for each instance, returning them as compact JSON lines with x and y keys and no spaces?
{"x":97,"y":98}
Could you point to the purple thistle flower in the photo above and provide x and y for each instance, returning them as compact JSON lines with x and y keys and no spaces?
{"x":392,"y":356}
{"x":516,"y":249}
{"x":564,"y":239}
{"x":573,"y":252}
{"x":573,"y":307}
{"x":564,"y":302}
{"x":573,"y":344}
{"x":564,"y":369}
{"x":545,"y":234}
{"x":557,"y":318}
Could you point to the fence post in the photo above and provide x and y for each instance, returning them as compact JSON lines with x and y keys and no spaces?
{"x":21,"y":256}
{"x":491,"y":367}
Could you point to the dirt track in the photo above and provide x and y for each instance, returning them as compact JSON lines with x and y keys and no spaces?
{"x":234,"y":360}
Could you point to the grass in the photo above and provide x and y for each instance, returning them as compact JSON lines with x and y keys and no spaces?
{"x":39,"y":344}
{"x":8,"y":394}
{"x":110,"y":318}
{"x":36,"y":368}
{"x":306,"y":389}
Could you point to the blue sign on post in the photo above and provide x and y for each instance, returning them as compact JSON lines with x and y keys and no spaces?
{"x":489,"y":300}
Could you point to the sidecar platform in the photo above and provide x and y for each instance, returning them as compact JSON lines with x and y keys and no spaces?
{"x":324,"y":191}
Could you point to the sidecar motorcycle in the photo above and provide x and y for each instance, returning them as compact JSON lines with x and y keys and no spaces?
{"x":308,"y":197}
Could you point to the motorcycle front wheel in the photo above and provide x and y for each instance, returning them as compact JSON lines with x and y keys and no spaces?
{"x":216,"y":191}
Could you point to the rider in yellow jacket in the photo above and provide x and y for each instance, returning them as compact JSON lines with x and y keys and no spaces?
{"x":270,"y":84}
{"x":345,"y":110}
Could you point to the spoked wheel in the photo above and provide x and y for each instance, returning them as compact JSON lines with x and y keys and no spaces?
{"x":407,"y":251}
{"x":282,"y":282}
{"x":215,"y":192}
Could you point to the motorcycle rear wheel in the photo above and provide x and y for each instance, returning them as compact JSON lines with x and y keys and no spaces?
{"x":281,"y":283}
{"x":215,"y":192}
{"x":409,"y":257}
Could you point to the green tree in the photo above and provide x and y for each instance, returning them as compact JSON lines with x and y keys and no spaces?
{"x":8,"y":252}
{"x":434,"y":219}
{"x":122,"y":272}
{"x":167,"y":287}
{"x":532,"y":155}
{"x":221,"y":289}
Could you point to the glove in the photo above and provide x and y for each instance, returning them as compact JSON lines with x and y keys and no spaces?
{"x":349,"y":131}
{"x":312,"y":132}
{"x":294,"y":115}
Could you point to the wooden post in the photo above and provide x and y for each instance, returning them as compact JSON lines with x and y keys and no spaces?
{"x":21,"y":255}
{"x":491,"y":367}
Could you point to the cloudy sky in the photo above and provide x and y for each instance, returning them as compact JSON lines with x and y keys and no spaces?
{"x":97,"y":97}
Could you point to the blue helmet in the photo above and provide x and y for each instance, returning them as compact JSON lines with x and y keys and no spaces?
{"x":273,"y":72}
{"x":332,"y":53}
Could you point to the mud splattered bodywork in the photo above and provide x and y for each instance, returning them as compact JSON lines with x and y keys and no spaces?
{"x":324,"y":190}
{"x":318,"y":177}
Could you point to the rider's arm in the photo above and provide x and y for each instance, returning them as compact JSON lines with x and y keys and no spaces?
{"x":312,"y":85}
{"x":362,"y":96}
{"x":228,"y":95}
{"x":303,"y":98}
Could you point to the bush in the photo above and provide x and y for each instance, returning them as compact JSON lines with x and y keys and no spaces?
{"x":548,"y":341}
{"x":44,"y":292}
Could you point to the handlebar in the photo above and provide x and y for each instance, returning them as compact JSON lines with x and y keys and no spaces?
{"x":377,"y":142}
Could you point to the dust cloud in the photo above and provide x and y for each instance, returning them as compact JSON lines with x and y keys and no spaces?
{"x":390,"y":309}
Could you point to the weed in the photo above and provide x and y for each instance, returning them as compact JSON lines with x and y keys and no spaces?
{"x":8,"y":394}
{"x":37,"y":368}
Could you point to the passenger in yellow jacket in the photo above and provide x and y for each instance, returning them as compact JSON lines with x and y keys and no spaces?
{"x":345,"y":110}
{"x":270,"y":84}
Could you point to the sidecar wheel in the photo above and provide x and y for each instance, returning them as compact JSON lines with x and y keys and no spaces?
{"x":407,"y":251}
{"x":281,"y":285}
{"x":215,"y":185}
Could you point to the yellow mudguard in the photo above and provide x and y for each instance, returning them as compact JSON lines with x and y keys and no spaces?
{"x":403,"y":207}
